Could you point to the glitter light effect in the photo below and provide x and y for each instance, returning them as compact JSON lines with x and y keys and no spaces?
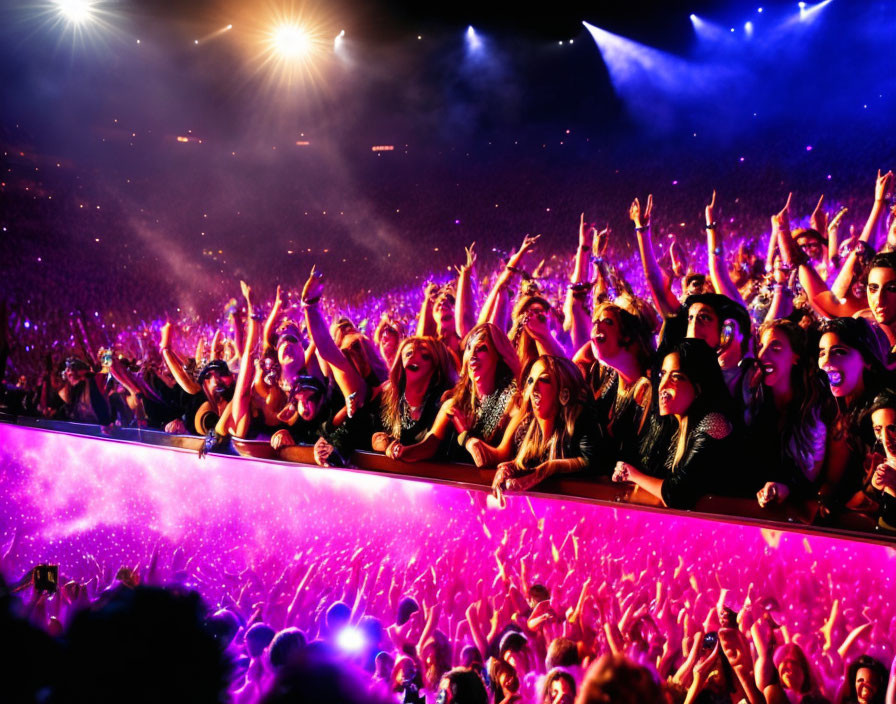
{"x":115,"y":501}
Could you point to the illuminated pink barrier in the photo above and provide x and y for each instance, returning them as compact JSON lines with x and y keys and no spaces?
{"x":71,"y":497}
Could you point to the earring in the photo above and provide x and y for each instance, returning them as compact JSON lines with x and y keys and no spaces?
{"x":564,"y":396}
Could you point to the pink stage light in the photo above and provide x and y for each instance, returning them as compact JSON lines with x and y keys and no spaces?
{"x":72,"y":497}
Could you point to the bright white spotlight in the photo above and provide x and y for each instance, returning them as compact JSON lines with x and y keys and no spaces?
{"x":748,"y":28}
{"x":708,"y":31}
{"x":473,"y":40}
{"x":350,"y":640}
{"x":291,"y":41}
{"x":808,"y":13}
{"x":337,"y":42}
{"x":75,"y":11}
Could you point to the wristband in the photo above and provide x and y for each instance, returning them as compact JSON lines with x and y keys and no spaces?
{"x":718,"y":251}
{"x":515,"y":270}
{"x":641,"y":228}
{"x":463,"y":437}
{"x":712,"y":226}
{"x":596,"y":260}
{"x":310,"y":301}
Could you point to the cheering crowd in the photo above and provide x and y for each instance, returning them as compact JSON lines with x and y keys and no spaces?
{"x":763,"y":374}
{"x":776,"y":366}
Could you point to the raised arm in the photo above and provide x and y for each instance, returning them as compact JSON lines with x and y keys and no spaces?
{"x":882,"y":187}
{"x":659,"y":286}
{"x":816,"y":289}
{"x":465,"y":305}
{"x":271,"y":322}
{"x":487,"y":314}
{"x":347,"y":377}
{"x":575,"y":316}
{"x":718,"y":270}
{"x":242,"y":393}
{"x":174,"y":363}
{"x":426,"y":325}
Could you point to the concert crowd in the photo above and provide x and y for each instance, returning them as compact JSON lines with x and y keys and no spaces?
{"x":753,"y":367}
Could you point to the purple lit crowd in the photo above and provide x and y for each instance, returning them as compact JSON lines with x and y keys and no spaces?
{"x":759,"y":368}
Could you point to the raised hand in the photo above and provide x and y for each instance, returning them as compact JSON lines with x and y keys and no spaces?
{"x":883,"y":185}
{"x":781,"y":220}
{"x":819,"y":219}
{"x":165,"y":337}
{"x":281,"y":298}
{"x":601,"y":240}
{"x":314,"y":286}
{"x":711,"y":210}
{"x":586,"y":233}
{"x":678,"y":257}
{"x":247,"y":293}
{"x":528,"y":244}
{"x":641,"y":216}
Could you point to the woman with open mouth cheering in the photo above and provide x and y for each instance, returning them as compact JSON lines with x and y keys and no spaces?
{"x":558,"y":432}
{"x":696,"y":452}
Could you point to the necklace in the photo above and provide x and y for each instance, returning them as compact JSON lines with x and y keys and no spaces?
{"x":490,"y":411}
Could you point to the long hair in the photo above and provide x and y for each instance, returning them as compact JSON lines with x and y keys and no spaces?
{"x":441,"y":379}
{"x":701,"y":366}
{"x":848,"y":695}
{"x":506,"y":370}
{"x":523,"y":342}
{"x":633,"y":332}
{"x":570,"y":387}
{"x":806,"y":384}
{"x":796,"y":652}
{"x":858,"y":334}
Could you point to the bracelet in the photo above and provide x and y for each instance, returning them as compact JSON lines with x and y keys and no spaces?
{"x":711,"y":226}
{"x":515,"y":270}
{"x":579,"y":286}
{"x":463,"y":437}
{"x":258,"y":316}
{"x":641,"y":228}
{"x":718,"y":251}
{"x":596,"y":259}
{"x":310,"y":301}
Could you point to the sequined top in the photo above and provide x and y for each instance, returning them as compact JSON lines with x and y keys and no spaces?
{"x":490,"y":411}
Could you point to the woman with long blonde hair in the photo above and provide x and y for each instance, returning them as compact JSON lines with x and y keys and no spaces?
{"x":556,"y":433}
{"x":473,"y":420}
{"x":421,"y":374}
